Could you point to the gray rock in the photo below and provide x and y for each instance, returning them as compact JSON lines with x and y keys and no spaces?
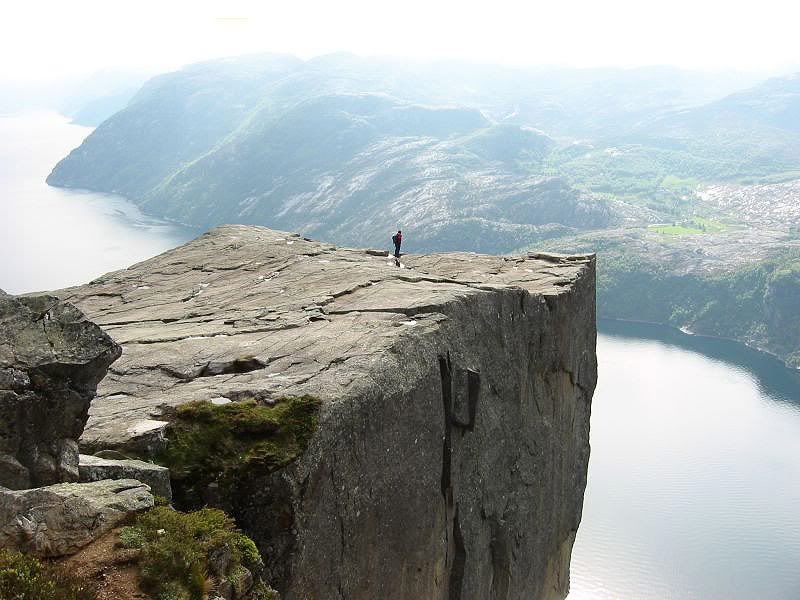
{"x":93,"y":468}
{"x":242,"y":581}
{"x":451,"y":455}
{"x":60,"y":519}
{"x":51,"y":359}
{"x":225,"y":590}
{"x":112,"y":455}
{"x":219,"y":559}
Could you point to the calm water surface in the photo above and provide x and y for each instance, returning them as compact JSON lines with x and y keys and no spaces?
{"x":51,"y":238}
{"x":694,"y":477}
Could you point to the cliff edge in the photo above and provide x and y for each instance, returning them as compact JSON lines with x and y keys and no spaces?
{"x":448,"y":455}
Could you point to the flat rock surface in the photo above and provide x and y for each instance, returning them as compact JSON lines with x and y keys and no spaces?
{"x":248,"y":312}
{"x":94,"y":468}
{"x":453,"y":440}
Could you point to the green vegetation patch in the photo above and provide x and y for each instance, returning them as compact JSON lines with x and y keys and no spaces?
{"x":223,"y":444}
{"x":693,"y":226}
{"x":26,"y":578}
{"x":756,"y":303}
{"x":188,"y":555}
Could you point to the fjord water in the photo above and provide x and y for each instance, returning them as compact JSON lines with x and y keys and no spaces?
{"x":51,"y":237}
{"x":694,"y":478}
{"x":694,"y":482}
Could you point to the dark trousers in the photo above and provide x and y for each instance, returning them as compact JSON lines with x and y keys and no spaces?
{"x":397,"y":250}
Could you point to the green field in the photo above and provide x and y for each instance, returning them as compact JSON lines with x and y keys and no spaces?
{"x":693,"y":226}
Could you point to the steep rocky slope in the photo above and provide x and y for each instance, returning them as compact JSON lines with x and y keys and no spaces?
{"x":450,"y":455}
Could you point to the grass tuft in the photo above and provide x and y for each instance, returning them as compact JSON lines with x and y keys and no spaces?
{"x":176,"y":549}
{"x":23,"y":577}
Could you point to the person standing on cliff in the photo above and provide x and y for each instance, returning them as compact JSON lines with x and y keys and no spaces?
{"x":397,"y":239}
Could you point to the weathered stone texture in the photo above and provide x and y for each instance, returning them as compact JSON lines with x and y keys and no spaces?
{"x":450,"y":461}
{"x":51,"y":359}
{"x":94,"y":468}
{"x":60,"y":519}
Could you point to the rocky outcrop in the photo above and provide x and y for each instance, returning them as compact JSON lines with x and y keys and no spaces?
{"x":94,"y":468}
{"x":451,"y":452}
{"x":51,"y":359}
{"x":60,"y":519}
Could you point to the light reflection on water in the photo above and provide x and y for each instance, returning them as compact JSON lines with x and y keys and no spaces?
{"x":694,"y":482}
{"x":50,"y":237}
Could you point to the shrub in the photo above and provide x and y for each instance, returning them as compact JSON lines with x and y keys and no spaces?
{"x":175,"y":549}
{"x":251,"y":558}
{"x":26,"y":578}
{"x":131,"y":537}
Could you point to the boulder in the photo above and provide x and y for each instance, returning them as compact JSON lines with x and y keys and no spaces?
{"x":51,"y":360}
{"x":60,"y":519}
{"x":94,"y":468}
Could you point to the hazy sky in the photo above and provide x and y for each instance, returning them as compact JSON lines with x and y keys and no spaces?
{"x":51,"y":38}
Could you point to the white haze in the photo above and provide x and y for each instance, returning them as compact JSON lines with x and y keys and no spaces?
{"x":53,"y":39}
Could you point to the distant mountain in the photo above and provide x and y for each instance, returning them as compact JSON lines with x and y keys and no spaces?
{"x":347,"y":149}
{"x":752,"y":133}
{"x":93,"y":99}
{"x":465,"y":157}
{"x":86,"y":100}
{"x":314,"y":147}
{"x":774,"y":103}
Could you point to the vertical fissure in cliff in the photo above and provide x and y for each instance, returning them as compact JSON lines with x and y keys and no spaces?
{"x":456,"y":581}
{"x":447,"y":450}
{"x":460,"y":397}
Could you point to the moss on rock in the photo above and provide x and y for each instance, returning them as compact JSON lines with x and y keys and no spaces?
{"x":218,"y":445}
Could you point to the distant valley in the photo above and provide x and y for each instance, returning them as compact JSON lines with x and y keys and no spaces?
{"x":685,"y":183}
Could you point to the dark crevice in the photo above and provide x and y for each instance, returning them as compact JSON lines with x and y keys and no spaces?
{"x":456,"y":582}
{"x":447,"y":392}
{"x":460,"y":396}
{"x":465,"y":399}
{"x":244,"y":364}
{"x":238,"y":365}
{"x":550,"y":300}
{"x":409,"y":312}
{"x":500,"y":556}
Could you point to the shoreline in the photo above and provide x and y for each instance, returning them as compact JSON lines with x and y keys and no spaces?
{"x":690,"y":334}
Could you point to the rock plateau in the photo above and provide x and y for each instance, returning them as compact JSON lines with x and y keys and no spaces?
{"x":450,"y":456}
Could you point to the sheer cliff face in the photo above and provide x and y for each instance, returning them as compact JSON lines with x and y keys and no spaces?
{"x":450,"y":458}
{"x":459,"y":470}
